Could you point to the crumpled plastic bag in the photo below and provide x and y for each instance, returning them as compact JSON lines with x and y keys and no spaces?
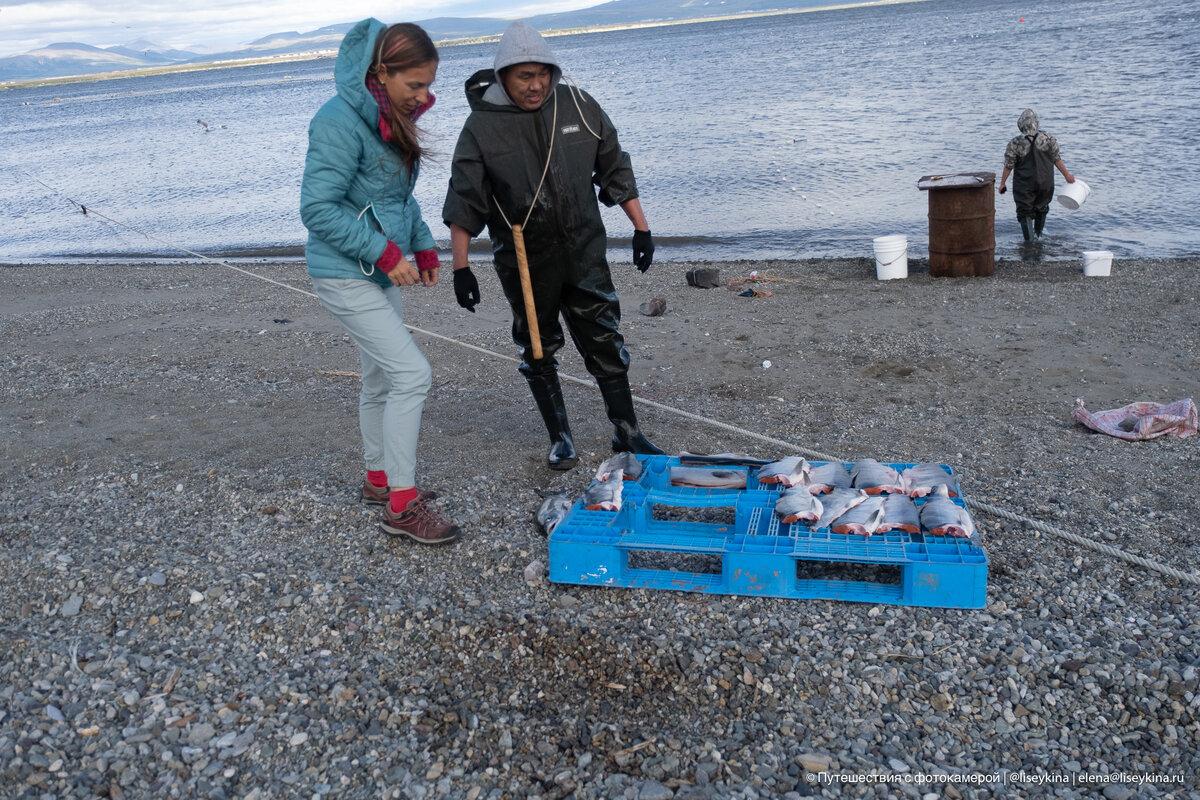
{"x":1140,"y":421}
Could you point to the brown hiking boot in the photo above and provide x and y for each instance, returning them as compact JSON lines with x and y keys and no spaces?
{"x":374,"y":495}
{"x":419,"y":522}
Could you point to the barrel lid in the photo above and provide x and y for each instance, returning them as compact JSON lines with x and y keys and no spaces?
{"x":957,"y":180}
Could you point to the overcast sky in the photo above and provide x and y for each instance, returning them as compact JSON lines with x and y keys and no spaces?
{"x":222,"y":24}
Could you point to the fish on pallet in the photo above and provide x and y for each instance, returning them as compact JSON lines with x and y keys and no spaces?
{"x":798,"y":504}
{"x":827,"y":477}
{"x":708,"y":477}
{"x":721,"y":459}
{"x":789,"y":472}
{"x":628,"y":463}
{"x":554,"y":509}
{"x":875,"y":478}
{"x":836,"y":504}
{"x":863,"y":519}
{"x":922,"y":479}
{"x":900,"y":514}
{"x":605,"y":495}
{"x":940,"y":516}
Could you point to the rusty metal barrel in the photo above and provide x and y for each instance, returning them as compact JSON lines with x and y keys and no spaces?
{"x":962,"y":224}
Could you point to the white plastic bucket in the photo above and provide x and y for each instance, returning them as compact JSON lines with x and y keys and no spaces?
{"x":1097,"y":263}
{"x":1073,"y":195}
{"x":891,"y":257}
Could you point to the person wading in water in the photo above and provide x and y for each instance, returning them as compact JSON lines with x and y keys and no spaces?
{"x":1031,"y":158}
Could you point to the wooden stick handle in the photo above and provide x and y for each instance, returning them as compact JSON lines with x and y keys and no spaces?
{"x":535,"y":334}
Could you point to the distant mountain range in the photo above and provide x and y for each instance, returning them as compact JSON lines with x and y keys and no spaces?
{"x":76,"y":58}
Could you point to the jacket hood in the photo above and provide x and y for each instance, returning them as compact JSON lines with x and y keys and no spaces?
{"x":350,"y":70}
{"x":1027,"y":123}
{"x":520,"y":44}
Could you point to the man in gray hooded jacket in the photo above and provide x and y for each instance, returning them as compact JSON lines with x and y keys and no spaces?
{"x":1031,"y":158}
{"x":533,"y":152}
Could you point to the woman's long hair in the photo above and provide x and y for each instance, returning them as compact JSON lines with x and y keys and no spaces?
{"x":403,"y":46}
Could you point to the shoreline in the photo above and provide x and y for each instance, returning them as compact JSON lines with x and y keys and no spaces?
{"x":315,"y":55}
{"x":191,"y":586}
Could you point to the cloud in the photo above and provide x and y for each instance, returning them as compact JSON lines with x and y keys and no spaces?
{"x":219,"y":24}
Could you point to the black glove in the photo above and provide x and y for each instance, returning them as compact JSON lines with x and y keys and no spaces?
{"x":466,"y":289}
{"x":643,"y":250}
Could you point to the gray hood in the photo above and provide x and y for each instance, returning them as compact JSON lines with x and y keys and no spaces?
{"x":1027,"y":123}
{"x":521,"y":44}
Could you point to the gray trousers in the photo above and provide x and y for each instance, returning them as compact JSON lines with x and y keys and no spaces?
{"x":395,"y":374}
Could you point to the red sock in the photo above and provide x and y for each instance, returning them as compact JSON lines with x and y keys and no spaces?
{"x":377,"y":478}
{"x":399,"y":499}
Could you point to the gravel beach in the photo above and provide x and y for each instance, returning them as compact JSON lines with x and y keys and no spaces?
{"x":193,"y":603}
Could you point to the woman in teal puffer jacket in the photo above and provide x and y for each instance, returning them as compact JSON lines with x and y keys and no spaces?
{"x":364,"y":234}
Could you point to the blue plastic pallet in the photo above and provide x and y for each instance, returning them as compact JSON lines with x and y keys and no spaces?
{"x":758,"y":554}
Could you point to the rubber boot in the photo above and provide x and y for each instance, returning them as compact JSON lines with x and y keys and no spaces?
{"x":1039,"y":223}
{"x":1026,"y":227}
{"x":618,"y":401}
{"x":547,"y":393}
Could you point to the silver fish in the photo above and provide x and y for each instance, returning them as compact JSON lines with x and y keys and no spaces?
{"x":554,"y":510}
{"x":708,"y":477}
{"x":836,"y":504}
{"x":864,"y":519}
{"x":798,"y":504}
{"x":827,"y":477}
{"x":627,"y":462}
{"x":921,"y":479}
{"x":941,"y":517}
{"x":790,"y":471}
{"x":605,"y":495}
{"x":875,"y":478}
{"x":900,"y":514}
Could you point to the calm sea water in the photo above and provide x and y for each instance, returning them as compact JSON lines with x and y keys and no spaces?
{"x":794,"y":136}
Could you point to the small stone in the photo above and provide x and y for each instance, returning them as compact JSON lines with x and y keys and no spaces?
{"x":200,"y":734}
{"x":72,"y":606}
{"x":898,"y":766}
{"x":815,"y":762}
{"x":535,"y":573}
{"x":1115,"y":791}
{"x":195,"y":597}
{"x":298,"y":739}
{"x":653,"y":790}
{"x":157,"y":579}
{"x":435,"y":771}
{"x":55,"y":714}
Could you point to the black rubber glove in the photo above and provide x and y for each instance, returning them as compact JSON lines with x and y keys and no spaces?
{"x":643,"y":250}
{"x":466,"y":289}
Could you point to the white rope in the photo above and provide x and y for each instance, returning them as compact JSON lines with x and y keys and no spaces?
{"x":573,"y":89}
{"x":987,"y":508}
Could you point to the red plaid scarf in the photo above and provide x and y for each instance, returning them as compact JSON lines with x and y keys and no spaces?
{"x":381,"y":98}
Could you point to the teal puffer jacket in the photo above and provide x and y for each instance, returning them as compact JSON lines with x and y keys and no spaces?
{"x":356,"y":194}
